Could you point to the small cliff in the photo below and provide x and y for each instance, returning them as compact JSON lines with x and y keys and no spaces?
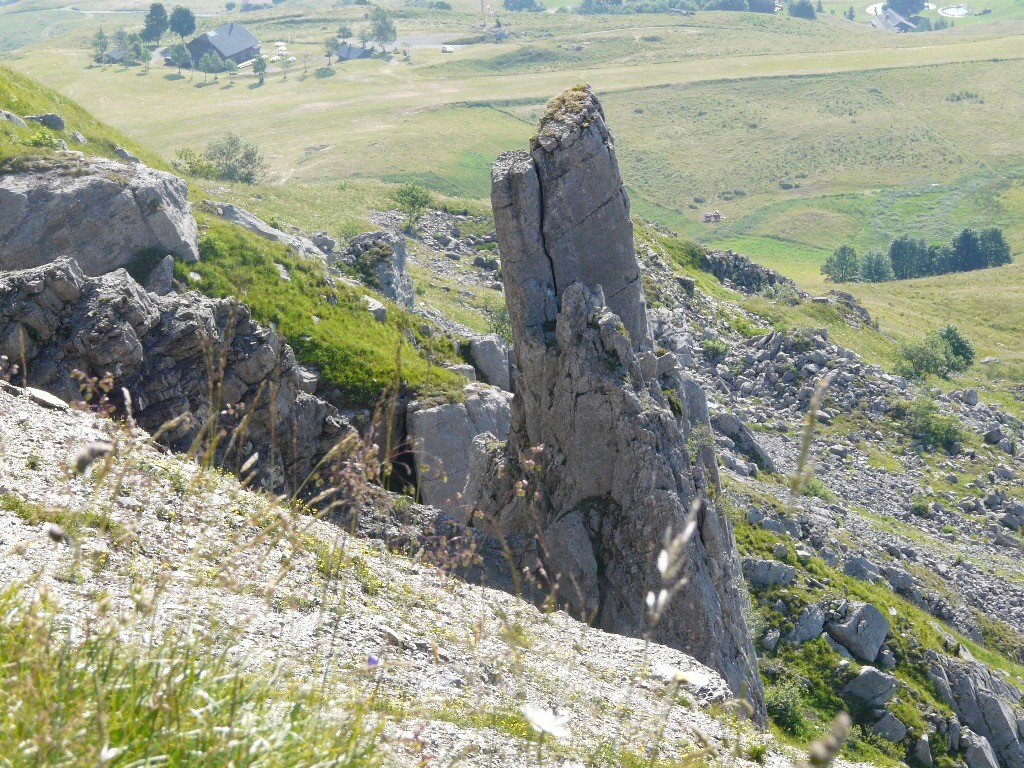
{"x":195,"y":368}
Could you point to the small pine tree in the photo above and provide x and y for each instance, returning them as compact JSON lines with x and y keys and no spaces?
{"x":100,"y":44}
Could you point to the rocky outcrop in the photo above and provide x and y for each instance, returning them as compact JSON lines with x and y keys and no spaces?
{"x":236,"y":215}
{"x":100,"y":212}
{"x":379,"y":259}
{"x":596,"y":472}
{"x":984,"y":703}
{"x":181,"y":359}
{"x":742,"y":439}
{"x":739,"y":272}
{"x":442,"y":434}
{"x":562,"y":217}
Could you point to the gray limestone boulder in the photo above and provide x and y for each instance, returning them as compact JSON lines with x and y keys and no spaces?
{"x":379,"y":259}
{"x":922,"y":751}
{"x":13,"y":119}
{"x":808,"y":625}
{"x":890,"y":728}
{"x":100,"y":212}
{"x":593,"y":436}
{"x":161,"y":280}
{"x":761,"y":574}
{"x":124,"y":154}
{"x":729,"y":425}
{"x":158,"y":349}
{"x":872,"y":687}
{"x":489,"y":355}
{"x":977,"y":750}
{"x":863,"y":631}
{"x":50,"y":120}
{"x":300,"y":245}
{"x":442,"y":437}
{"x":862,"y":568}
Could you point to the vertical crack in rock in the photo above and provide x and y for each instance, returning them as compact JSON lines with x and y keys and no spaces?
{"x":596,"y":470}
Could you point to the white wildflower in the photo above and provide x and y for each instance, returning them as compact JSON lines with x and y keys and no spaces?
{"x":109,"y":753}
{"x":546,"y":721}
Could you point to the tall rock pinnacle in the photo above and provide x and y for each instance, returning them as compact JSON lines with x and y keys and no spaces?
{"x":596,"y":469}
{"x":565,"y":213}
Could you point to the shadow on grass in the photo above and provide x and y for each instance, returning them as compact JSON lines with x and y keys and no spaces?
{"x":254,"y":86}
{"x":174,"y":76}
{"x":204,"y":85}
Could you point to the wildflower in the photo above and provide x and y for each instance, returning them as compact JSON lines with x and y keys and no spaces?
{"x":109,"y":753}
{"x":372,"y":662}
{"x":546,"y":721}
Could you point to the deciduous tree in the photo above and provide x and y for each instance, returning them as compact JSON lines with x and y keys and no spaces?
{"x":382,"y":27}
{"x":843,"y":265}
{"x":259,"y":68}
{"x":182,"y":22}
{"x":155,"y":24}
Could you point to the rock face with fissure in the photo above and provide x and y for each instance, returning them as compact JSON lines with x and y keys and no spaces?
{"x":181,"y":359}
{"x":596,"y":468}
{"x":100,"y":212}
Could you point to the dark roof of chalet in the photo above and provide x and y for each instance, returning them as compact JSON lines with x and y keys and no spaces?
{"x":230,"y":39}
{"x":348,"y":52}
{"x":891,"y":21}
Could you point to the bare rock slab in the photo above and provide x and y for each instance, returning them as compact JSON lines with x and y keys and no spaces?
{"x":100,"y":212}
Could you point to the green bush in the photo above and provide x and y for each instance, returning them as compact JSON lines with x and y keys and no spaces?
{"x":714,"y":349}
{"x":44,"y":138}
{"x":939,"y":353}
{"x":921,"y":420}
{"x":785,"y":704}
{"x":817,"y":489}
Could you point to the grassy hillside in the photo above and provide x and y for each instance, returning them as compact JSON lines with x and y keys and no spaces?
{"x":23,"y":96}
{"x":328,"y":325}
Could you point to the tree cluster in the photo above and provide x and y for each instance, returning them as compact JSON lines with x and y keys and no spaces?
{"x":802,"y":9}
{"x":910,"y":257}
{"x":939,"y":353}
{"x":664,"y":6}
{"x":523,"y":5}
{"x":131,"y":46}
{"x":229,"y":158}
